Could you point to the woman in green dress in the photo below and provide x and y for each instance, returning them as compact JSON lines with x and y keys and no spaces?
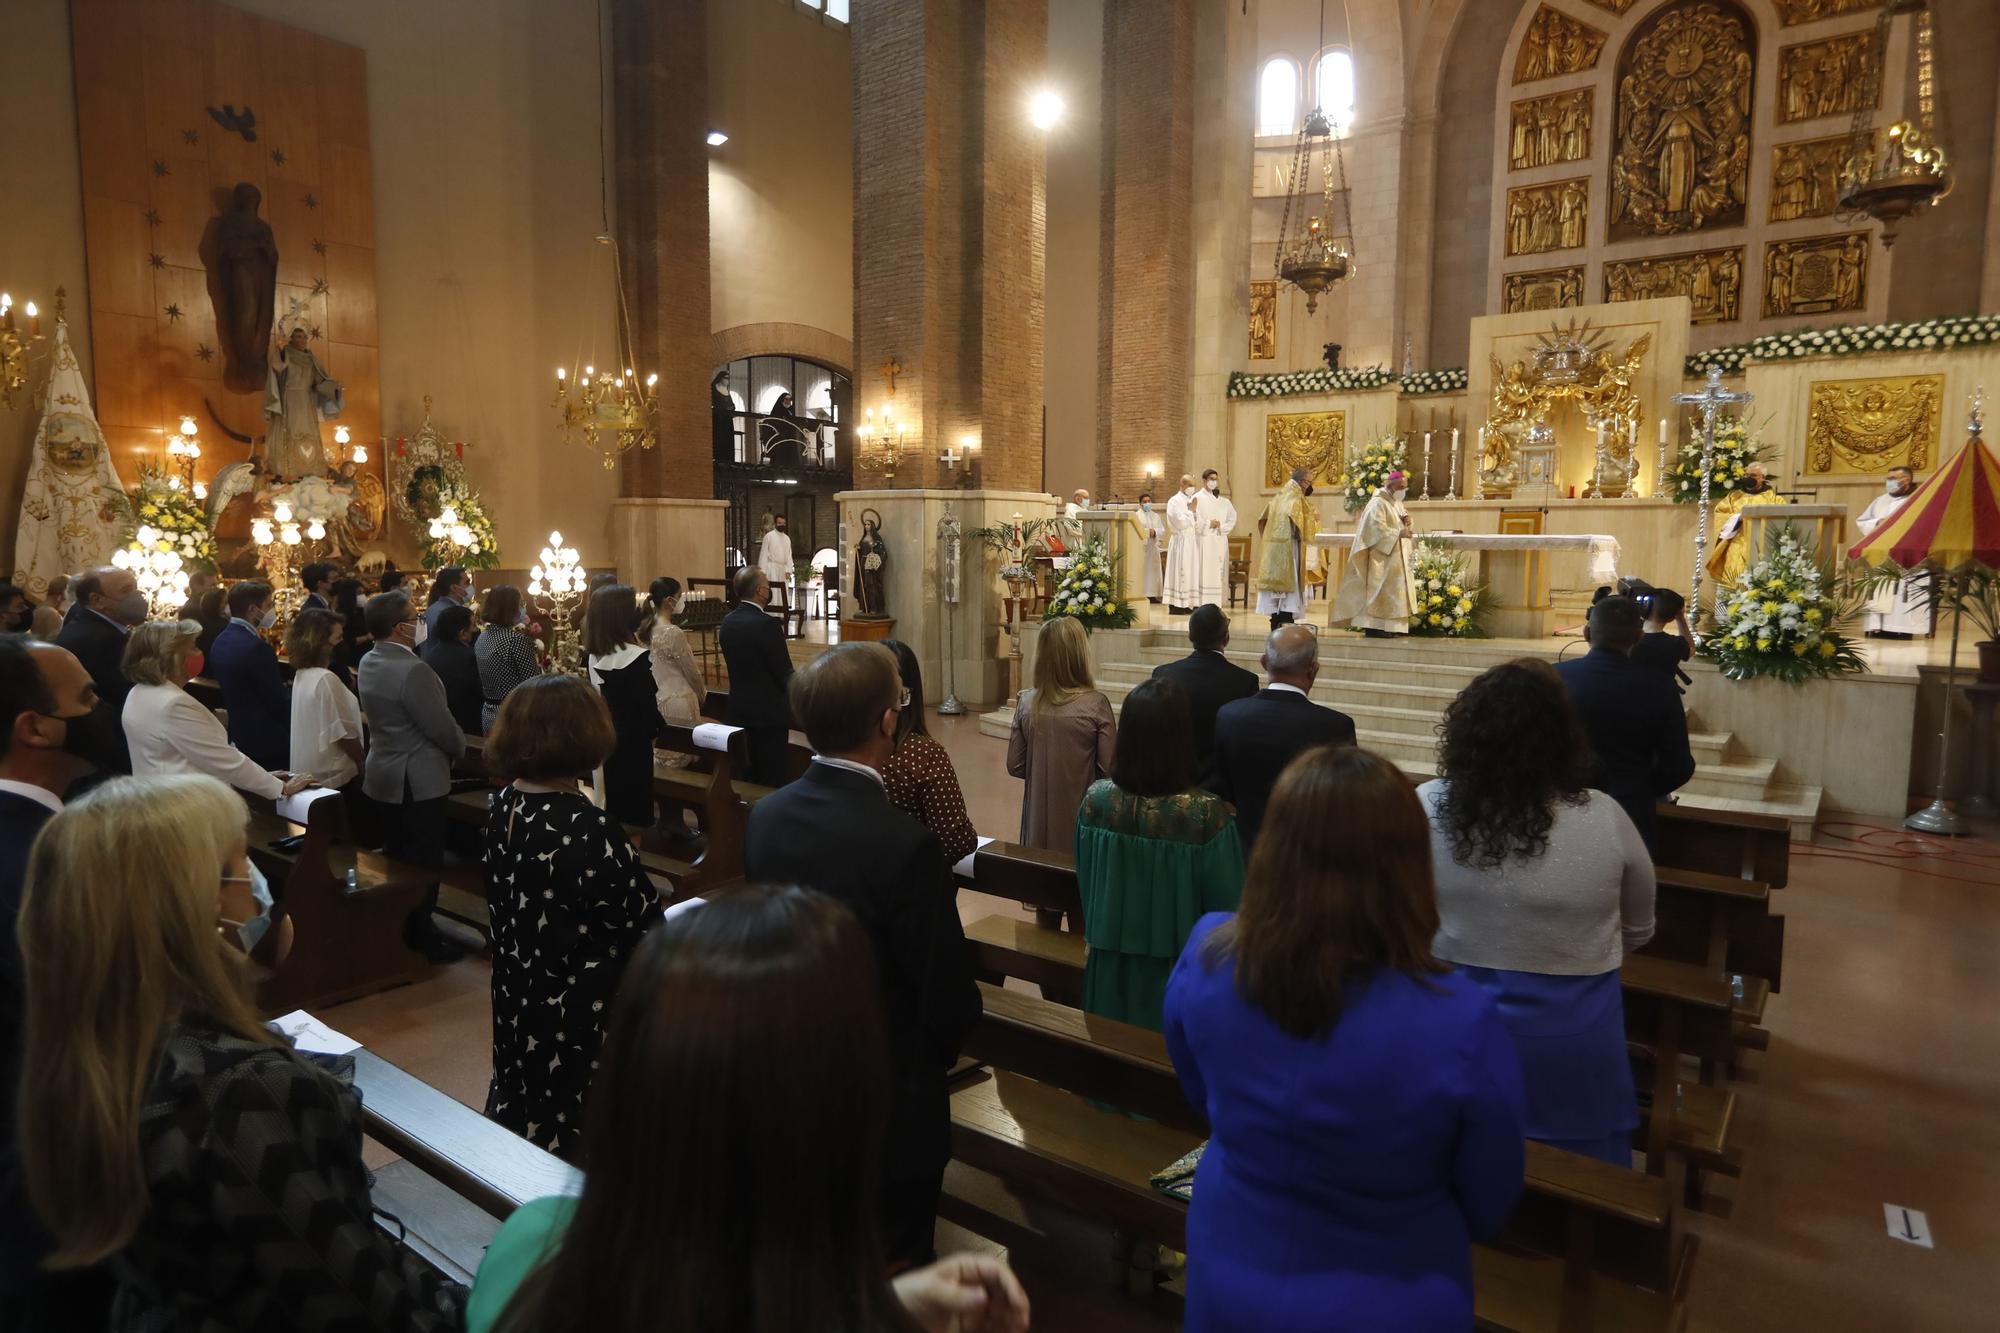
{"x":1153,"y":853}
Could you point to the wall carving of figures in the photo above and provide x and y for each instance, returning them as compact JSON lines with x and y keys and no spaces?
{"x":1615,"y":6}
{"x":1681,"y":160}
{"x":1544,"y":289}
{"x":1824,"y":78}
{"x":1551,"y":129}
{"x":1869,"y":426}
{"x":1816,"y":275}
{"x":1805,"y":177}
{"x":1556,"y":44}
{"x":1316,"y":440}
{"x":1795,"y":12}
{"x":1541,"y":218}
{"x":1712,"y":280}
{"x":1264,"y":319}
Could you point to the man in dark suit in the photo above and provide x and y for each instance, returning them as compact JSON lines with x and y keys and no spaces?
{"x":834,"y":830}
{"x":317,"y":580}
{"x":753,"y":648}
{"x":105,"y":604}
{"x":253,"y":685}
{"x":1210,"y":679}
{"x":449,"y":653}
{"x":44,"y":693}
{"x":1256,"y":737}
{"x":1633,"y":716}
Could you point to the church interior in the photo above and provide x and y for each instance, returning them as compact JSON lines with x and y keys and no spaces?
{"x":929,"y":322}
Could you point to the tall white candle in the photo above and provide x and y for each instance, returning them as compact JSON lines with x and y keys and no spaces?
{"x":1663,"y":432}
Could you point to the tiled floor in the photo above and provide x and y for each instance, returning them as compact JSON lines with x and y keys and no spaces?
{"x":1882,"y":1084}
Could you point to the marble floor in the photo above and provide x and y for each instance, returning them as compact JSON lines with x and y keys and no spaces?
{"x":1880,"y":1085}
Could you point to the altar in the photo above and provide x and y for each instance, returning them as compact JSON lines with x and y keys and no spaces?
{"x":1514,"y":569}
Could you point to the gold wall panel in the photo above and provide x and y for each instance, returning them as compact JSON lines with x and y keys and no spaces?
{"x":1615,"y":6}
{"x":1681,"y":156}
{"x":1317,"y":440}
{"x":1556,"y":44}
{"x":1541,"y":218}
{"x":1264,"y":319}
{"x":1712,"y":280}
{"x":1869,"y":426}
{"x":1805,"y":177}
{"x":1542,"y":289}
{"x":1816,"y":274}
{"x":1794,"y":12}
{"x":1824,"y":78}
{"x":1551,"y":129}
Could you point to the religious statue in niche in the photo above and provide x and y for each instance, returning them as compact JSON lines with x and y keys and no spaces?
{"x":1315,"y":440}
{"x":298,"y":395}
{"x":871,"y":565}
{"x":1712,"y":280}
{"x":1805,"y":177}
{"x":1556,"y":44}
{"x":1869,"y":426}
{"x":1824,"y":78}
{"x":1263,"y":319}
{"x":1548,"y":217}
{"x":1548,"y":130}
{"x":1795,"y":12}
{"x":1816,"y":275}
{"x":1682,"y":157}
{"x":1544,"y":289}
{"x":241,"y":256}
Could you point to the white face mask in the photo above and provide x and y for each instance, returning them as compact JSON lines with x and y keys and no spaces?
{"x":1397,"y":496}
{"x":1145,"y":506}
{"x":1188,"y":491}
{"x":1214,"y":486}
{"x":268,"y":619}
{"x":1893,"y":486}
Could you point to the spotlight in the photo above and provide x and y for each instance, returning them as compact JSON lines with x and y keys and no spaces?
{"x":1045,"y":108}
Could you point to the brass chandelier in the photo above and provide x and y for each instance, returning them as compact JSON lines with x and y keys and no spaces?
{"x":1908,"y":170}
{"x":608,"y":409}
{"x":1311,"y":259}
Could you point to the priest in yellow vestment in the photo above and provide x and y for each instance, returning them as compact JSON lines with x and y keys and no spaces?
{"x":1287,"y":524}
{"x":1731,"y":555}
{"x":1376,"y":591}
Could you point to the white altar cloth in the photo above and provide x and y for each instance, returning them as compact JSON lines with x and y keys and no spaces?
{"x":1602,"y":549}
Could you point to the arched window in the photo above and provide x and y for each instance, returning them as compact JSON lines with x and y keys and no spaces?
{"x":1278,"y":97}
{"x":1333,"y":87}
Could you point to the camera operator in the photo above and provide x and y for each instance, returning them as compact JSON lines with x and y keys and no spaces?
{"x":1638,"y":731}
{"x":1658,"y":650}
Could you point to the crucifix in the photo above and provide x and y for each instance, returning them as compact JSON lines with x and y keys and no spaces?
{"x":890,"y":369}
{"x":1710,"y":399}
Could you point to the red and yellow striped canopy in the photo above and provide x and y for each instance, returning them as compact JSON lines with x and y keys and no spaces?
{"x":1953,"y":520}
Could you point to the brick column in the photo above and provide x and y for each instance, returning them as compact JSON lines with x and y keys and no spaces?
{"x":1225,"y":76}
{"x":1146,"y":279}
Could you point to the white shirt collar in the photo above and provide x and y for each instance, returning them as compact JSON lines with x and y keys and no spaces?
{"x":1292,"y":689}
{"x":852,"y":767}
{"x":39,"y":795}
{"x":239,"y":620}
{"x":118,"y":625}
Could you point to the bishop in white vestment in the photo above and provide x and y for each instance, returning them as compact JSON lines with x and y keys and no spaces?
{"x":1376,"y":591}
{"x":1898,"y":610}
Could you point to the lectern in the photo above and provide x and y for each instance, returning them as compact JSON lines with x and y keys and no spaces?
{"x":1822,"y":529}
{"x":1124,"y":543}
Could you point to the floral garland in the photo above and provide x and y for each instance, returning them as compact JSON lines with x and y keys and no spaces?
{"x":178,"y":518}
{"x":1851,"y":340}
{"x":1243,"y":384}
{"x":1366,"y":473}
{"x":1736,"y":448}
{"x":1454,"y":380}
{"x":482,"y":552}
{"x":1448,"y":602}
{"x":1090,"y":592}
{"x":1778,"y":621}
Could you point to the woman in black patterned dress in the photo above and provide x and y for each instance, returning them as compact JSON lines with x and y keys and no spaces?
{"x":569,"y":902}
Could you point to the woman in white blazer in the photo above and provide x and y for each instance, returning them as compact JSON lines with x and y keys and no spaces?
{"x":167,"y":729}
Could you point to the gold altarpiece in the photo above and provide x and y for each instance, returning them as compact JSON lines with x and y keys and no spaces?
{"x":1681,"y":147}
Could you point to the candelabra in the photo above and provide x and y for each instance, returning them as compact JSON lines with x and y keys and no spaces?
{"x":559,"y":581}
{"x":1427,"y":464}
{"x":1452,"y":492}
{"x":1596,"y":491}
{"x":453,"y":534}
{"x":356,"y":453}
{"x":616,"y":405}
{"x":884,"y":439}
{"x":156,"y":568}
{"x":16,"y":348}
{"x":182,"y":451}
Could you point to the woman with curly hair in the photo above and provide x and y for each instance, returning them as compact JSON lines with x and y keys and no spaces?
{"x":1543,"y":887}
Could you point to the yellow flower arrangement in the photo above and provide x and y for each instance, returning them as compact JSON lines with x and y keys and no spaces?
{"x":1779,"y":621}
{"x":1447,"y":603}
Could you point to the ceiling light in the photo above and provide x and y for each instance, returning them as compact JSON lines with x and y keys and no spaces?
{"x":716,"y":138}
{"x":1045,"y":108}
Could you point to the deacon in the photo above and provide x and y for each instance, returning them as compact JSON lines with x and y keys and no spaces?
{"x":1898,"y":610}
{"x":774,"y":557}
{"x":1183,"y":584}
{"x":1376,"y":591}
{"x":1218,"y":520}
{"x":1732,"y":554}
{"x":1286,"y":525}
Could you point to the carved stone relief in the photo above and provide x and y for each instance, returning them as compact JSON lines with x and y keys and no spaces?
{"x":1824,"y":78}
{"x":1556,"y":44}
{"x":1682,"y":153}
{"x":1263,"y":319}
{"x":1805,"y":177}
{"x":1551,"y":129}
{"x":1541,"y":218}
{"x":1815,"y":275}
{"x":1712,"y":280}
{"x":1795,"y":12}
{"x":1542,"y":289}
{"x":1869,"y":426}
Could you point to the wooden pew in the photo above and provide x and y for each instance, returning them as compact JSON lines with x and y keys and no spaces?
{"x":1723,"y":842}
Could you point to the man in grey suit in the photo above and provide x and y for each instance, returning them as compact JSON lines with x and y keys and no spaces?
{"x":412,"y":740}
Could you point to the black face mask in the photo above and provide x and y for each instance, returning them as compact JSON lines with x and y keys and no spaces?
{"x":79,"y":734}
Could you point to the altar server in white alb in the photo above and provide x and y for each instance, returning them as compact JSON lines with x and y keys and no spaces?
{"x":774,"y":557}
{"x":1183,"y":582}
{"x":1218,"y":520}
{"x":1156,"y":540}
{"x":1897,"y":611}
{"x":1376,"y":592}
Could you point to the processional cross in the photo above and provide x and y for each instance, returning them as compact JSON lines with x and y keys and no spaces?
{"x":1710,"y":399}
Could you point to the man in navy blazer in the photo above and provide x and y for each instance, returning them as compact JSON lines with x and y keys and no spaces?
{"x":1256,"y":738}
{"x":1210,"y":679}
{"x":106,"y":603}
{"x":760,"y":669}
{"x":253,"y":686}
{"x":1633,"y":716}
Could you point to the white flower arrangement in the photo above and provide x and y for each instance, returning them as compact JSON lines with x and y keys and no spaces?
{"x":483,"y":551}
{"x":1453,"y":380}
{"x":1285,"y":384}
{"x":1367,"y":470}
{"x":1850,"y":340}
{"x":1736,"y":448}
{"x":1448,"y":602}
{"x":1088,"y":592}
{"x":1780,"y":621}
{"x":176,"y":517}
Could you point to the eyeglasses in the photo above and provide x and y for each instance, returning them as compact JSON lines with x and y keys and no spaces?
{"x":903,"y":702}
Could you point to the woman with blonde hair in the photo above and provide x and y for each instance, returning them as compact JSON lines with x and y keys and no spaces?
{"x":167,"y":729}
{"x":1063,"y":736}
{"x":161,"y":1124}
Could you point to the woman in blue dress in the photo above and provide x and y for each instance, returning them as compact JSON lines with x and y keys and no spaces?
{"x":1365,"y":1100}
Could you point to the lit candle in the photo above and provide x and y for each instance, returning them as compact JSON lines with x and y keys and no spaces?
{"x":1663,"y":432}
{"x":34,"y":320}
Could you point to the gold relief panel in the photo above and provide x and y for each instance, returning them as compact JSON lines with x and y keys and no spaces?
{"x":1681,"y":156}
{"x":1805,"y":177}
{"x":1824,"y":78}
{"x":1615,"y":6}
{"x":1551,"y":129}
{"x":1712,"y":280}
{"x":1316,"y":440}
{"x":1816,"y":275}
{"x":1264,"y":319}
{"x":1869,"y":426}
{"x":1541,"y":218}
{"x":1795,"y":12}
{"x":1556,"y":44}
{"x":1543,"y":289}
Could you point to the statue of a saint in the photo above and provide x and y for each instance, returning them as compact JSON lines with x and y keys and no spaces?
{"x":243,"y":285}
{"x":871,"y":563}
{"x":298,"y":395}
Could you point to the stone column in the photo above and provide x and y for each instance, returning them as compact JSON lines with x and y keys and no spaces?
{"x":1225,"y":78}
{"x":665,"y":520}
